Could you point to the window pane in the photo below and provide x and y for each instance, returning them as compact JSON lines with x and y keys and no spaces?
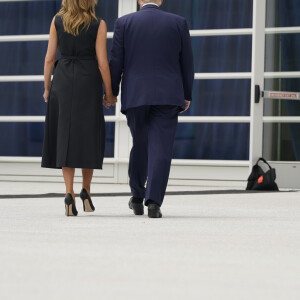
{"x":282,"y":52}
{"x":283,"y":13}
{"x":22,"y":58}
{"x":220,"y":98}
{"x":273,"y":107}
{"x":222,"y":54}
{"x":212,"y":141}
{"x":27,"y":17}
{"x":26,"y":139}
{"x":213,"y":14}
{"x":34,"y":17}
{"x":22,"y":99}
{"x":282,"y":142}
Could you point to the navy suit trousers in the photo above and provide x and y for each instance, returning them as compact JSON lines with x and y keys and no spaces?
{"x":153,"y":129}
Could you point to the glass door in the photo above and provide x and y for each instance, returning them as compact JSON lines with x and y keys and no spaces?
{"x":207,"y":150}
{"x":281,"y":131}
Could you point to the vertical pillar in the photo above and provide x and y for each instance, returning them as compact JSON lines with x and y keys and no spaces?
{"x":127,"y":7}
{"x":122,"y":134}
{"x":258,"y":68}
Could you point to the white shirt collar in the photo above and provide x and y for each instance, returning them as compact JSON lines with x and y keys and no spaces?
{"x":150,"y":3}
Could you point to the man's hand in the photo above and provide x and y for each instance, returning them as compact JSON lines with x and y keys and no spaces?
{"x":109,"y":101}
{"x":187,"y":106}
{"x":46,"y":95}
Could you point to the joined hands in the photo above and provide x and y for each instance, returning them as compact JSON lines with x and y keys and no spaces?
{"x":109,"y":101}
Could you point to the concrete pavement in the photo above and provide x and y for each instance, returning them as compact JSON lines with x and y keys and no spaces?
{"x":224,"y":246}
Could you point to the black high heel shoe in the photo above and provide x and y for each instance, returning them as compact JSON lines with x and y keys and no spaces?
{"x":87,"y":201}
{"x":70,"y":206}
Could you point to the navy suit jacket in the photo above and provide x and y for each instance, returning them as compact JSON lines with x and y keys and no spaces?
{"x":152,"y":55}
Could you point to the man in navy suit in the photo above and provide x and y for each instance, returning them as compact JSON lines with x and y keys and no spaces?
{"x":152,"y":55}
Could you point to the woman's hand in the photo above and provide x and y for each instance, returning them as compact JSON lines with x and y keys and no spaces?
{"x":112,"y":100}
{"x":46,"y":95}
{"x":105,"y":103}
{"x":109,"y":101}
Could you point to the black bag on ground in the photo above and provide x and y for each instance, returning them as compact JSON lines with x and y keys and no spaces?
{"x":260,"y":180}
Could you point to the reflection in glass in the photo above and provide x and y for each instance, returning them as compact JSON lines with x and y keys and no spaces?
{"x":283,"y":13}
{"x":274,"y":107}
{"x":212,"y":141}
{"x":282,"y":142}
{"x":283,"y":52}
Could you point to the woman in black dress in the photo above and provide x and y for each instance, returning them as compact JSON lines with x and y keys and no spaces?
{"x":75,"y":127}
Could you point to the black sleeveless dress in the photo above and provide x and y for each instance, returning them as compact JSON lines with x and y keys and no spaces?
{"x":75,"y":127}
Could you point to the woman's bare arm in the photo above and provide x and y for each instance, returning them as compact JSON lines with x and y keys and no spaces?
{"x":50,"y":59}
{"x":101,"y":52}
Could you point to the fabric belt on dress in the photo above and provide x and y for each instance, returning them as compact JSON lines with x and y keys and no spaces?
{"x":78,"y":57}
{"x":74,"y":58}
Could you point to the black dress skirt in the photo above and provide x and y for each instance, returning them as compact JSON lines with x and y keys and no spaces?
{"x":75,"y":127}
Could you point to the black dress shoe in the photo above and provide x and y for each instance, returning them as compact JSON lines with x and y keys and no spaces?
{"x":137,"y":207}
{"x":154,"y":211}
{"x":87,"y":201}
{"x":70,"y":206}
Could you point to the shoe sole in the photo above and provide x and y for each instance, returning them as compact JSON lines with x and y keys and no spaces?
{"x":154,"y":214}
{"x":86,"y":206}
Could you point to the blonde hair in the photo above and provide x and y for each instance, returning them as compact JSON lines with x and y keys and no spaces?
{"x":76,"y":13}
